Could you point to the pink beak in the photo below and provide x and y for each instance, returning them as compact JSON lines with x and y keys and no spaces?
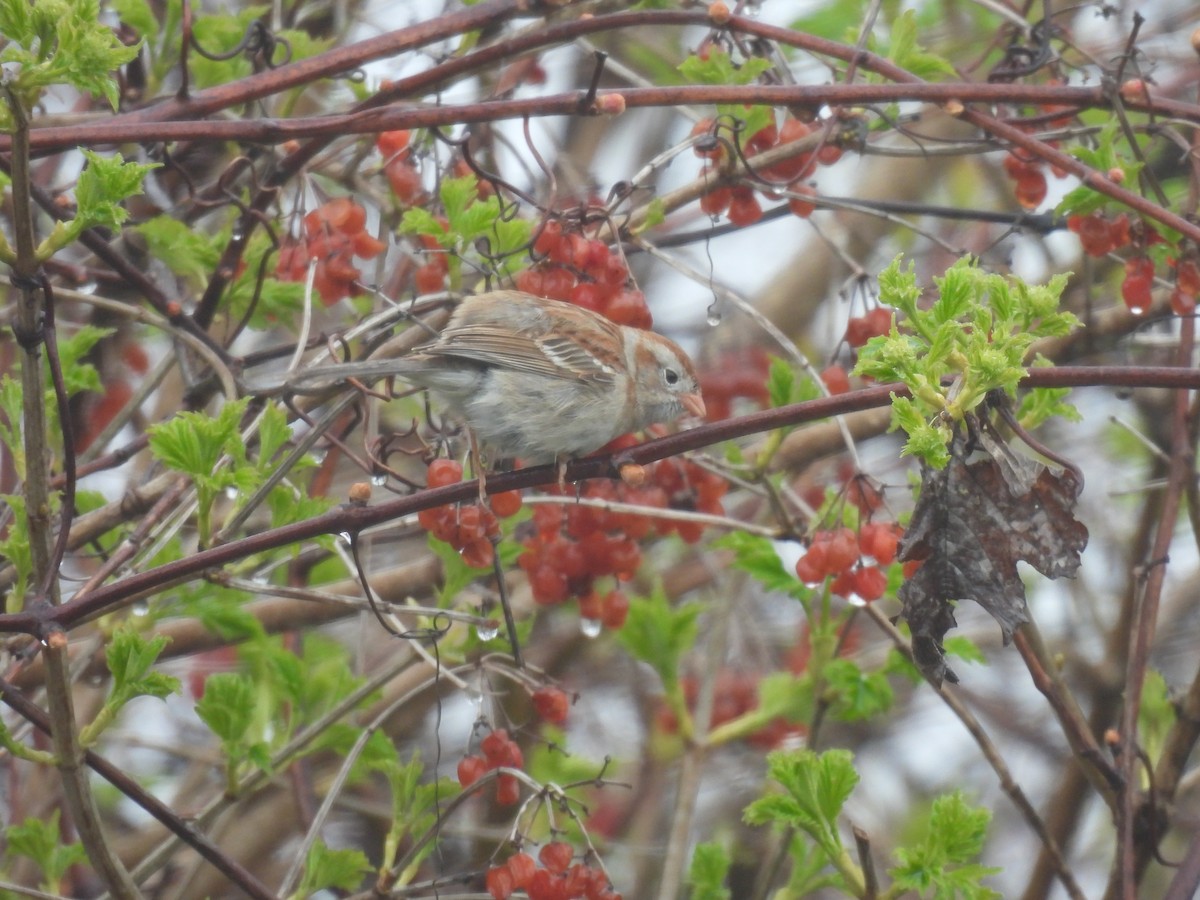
{"x":694,"y":404}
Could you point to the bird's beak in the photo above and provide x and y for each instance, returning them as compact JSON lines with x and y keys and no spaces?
{"x":694,"y":404}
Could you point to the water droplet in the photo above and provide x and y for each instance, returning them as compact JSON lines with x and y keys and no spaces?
{"x":714,"y":319}
{"x":855,"y":600}
{"x":379,"y":480}
{"x":590,"y":627}
{"x":488,"y":631}
{"x":1137,"y":310}
{"x":231,"y":493}
{"x":88,"y":287}
{"x":141,"y":608}
{"x":345,"y":536}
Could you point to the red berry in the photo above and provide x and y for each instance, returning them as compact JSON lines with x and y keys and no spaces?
{"x":442,"y":472}
{"x":744,"y":208}
{"x":1187,"y":277}
{"x":835,"y":379}
{"x":810,"y":568}
{"x":548,"y":239}
{"x":629,"y":308}
{"x":496,"y":747}
{"x":549,"y":585}
{"x":551,"y":704}
{"x":716,"y":201}
{"x":506,"y":504}
{"x":799,"y":206}
{"x":1182,"y":304}
{"x":508,"y":790}
{"x":707,"y":147}
{"x":829,"y":154}
{"x":522,"y":867}
{"x":842,"y":551}
{"x":591,"y":606}
{"x":1031,"y":190}
{"x":1136,"y":287}
{"x":391,"y":143}
{"x":858,"y":331}
{"x":478,"y":554}
{"x":869,"y":583}
{"x":556,"y":856}
{"x":589,"y":295}
{"x":879,"y":541}
{"x":879,"y":320}
{"x":499,"y":882}
{"x":429,"y":279}
{"x":1118,"y":231}
{"x":403,"y":179}
{"x":470,"y":770}
{"x":615,"y":610}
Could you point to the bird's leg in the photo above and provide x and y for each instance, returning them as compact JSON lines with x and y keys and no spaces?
{"x":560,"y":466}
{"x":477,"y":466}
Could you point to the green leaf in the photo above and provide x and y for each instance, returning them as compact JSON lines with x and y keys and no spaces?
{"x":130,"y":657}
{"x":15,"y":548}
{"x":136,"y":14}
{"x":186,"y":251}
{"x":942,"y":862}
{"x":41,"y":841}
{"x":978,"y":330}
{"x":79,"y":374}
{"x":227,"y":706}
{"x":327,"y":869}
{"x":815,"y":789}
{"x":856,"y":694}
{"x":706,"y":875}
{"x":781,"y":383}
{"x":1157,"y":713}
{"x":757,"y":556}
{"x":658,"y":633}
{"x":782,"y":694}
{"x":719,"y":68}
{"x":193,"y":443}
{"x":907,"y":53}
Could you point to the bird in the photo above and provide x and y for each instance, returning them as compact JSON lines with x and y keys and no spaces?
{"x":541,"y":380}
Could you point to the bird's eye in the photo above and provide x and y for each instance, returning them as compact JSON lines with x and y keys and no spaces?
{"x":671,"y":376}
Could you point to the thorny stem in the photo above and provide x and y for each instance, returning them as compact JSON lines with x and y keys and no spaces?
{"x":31,"y":338}
{"x":352,"y":519}
{"x":1136,"y":846}
{"x":994,"y":758}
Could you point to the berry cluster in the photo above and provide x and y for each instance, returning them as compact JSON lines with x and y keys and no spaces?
{"x":841,"y":554}
{"x":1029,"y":178}
{"x":498,"y":751}
{"x":573,"y":546}
{"x":1187,"y":287}
{"x":1137,"y":284}
{"x":334,"y":234}
{"x":402,"y":176}
{"x":740,"y":373}
{"x":558,"y":879}
{"x":583,"y":271}
{"x":468,"y":528}
{"x":874,"y":322}
{"x":738,"y":202}
{"x":1098,"y":234}
{"x":735,"y":694}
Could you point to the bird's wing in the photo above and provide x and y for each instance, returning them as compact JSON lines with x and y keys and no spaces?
{"x":550,"y":355}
